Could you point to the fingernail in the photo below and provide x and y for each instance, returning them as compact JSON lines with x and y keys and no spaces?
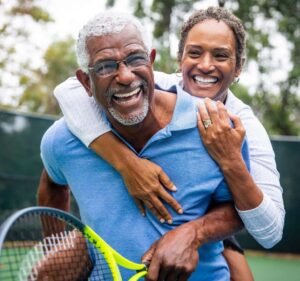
{"x":180,"y":211}
{"x":170,"y":221}
{"x":174,"y":188}
{"x":162,"y":220}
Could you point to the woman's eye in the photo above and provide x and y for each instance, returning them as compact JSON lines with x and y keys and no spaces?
{"x":194,"y":54}
{"x":221,"y":56}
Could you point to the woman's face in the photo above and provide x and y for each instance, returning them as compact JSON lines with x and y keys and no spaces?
{"x":208,"y":62}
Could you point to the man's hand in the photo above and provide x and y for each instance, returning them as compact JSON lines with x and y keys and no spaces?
{"x":147,"y":182}
{"x":175,"y":255}
{"x":66,"y":259}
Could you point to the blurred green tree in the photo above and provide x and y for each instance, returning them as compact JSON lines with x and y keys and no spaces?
{"x":17,"y":16}
{"x":60,"y":63}
{"x":277,"y":105}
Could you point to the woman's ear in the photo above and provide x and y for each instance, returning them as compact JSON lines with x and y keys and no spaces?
{"x":239,"y":70}
{"x":179,"y":68}
{"x":85,"y":80}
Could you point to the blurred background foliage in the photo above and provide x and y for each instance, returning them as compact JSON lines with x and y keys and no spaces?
{"x":276,"y":101}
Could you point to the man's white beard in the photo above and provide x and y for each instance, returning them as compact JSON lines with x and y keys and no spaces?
{"x":131,"y":120}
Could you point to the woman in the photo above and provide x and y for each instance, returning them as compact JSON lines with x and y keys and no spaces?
{"x":211,"y":56}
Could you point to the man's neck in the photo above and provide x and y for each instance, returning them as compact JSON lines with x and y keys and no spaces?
{"x":159,"y":116}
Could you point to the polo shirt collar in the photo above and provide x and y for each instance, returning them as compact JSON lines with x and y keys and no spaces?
{"x":184,"y":116}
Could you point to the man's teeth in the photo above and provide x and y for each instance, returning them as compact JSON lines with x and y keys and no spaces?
{"x":205,"y":80}
{"x":126,"y":95}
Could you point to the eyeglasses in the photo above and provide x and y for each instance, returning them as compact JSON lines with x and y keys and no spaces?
{"x":108,"y":67}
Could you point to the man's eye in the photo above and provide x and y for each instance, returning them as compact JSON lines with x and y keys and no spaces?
{"x":104,"y":66}
{"x":136,"y":59}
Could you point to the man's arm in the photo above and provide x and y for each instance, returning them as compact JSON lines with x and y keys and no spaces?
{"x":175,"y":255}
{"x":51,"y":194}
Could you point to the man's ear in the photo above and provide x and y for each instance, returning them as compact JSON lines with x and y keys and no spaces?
{"x":152,"y":56}
{"x":85,"y":80}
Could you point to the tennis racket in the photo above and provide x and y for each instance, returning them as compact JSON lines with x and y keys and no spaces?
{"x":41,"y":243}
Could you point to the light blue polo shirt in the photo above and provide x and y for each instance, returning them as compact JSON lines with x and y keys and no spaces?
{"x":105,"y":204}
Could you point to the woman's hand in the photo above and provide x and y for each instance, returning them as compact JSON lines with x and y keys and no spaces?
{"x":147,"y":183}
{"x":222,"y":141}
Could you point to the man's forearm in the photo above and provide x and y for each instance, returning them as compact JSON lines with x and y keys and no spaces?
{"x":53,"y":195}
{"x":220,"y":222}
{"x":177,"y":250}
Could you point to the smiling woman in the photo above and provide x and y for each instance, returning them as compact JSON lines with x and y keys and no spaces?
{"x":208,"y":61}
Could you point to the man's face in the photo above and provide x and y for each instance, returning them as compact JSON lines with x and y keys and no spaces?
{"x":209,"y":59}
{"x":124,"y":89}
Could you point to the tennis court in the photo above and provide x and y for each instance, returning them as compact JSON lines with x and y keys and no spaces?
{"x":274,"y":267}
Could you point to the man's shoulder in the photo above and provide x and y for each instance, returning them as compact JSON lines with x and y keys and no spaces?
{"x":57,"y":134}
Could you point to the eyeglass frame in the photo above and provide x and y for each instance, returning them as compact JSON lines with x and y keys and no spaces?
{"x":118,"y":62}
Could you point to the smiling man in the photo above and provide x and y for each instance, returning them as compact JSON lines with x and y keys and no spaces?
{"x":116,"y":70}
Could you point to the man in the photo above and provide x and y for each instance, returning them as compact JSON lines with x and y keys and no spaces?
{"x":116,"y":69}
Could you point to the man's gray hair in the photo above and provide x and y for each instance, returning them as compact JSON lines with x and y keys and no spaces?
{"x":106,"y":23}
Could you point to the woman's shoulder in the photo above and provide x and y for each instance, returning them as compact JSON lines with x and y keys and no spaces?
{"x":236,"y":105}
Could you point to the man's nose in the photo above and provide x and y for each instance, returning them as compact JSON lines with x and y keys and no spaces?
{"x":124,"y":75}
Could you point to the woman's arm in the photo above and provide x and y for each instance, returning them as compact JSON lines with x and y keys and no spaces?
{"x":260,"y":215}
{"x":146,"y":181}
{"x":224,"y":145}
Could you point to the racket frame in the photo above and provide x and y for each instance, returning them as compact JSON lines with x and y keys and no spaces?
{"x":112,"y":257}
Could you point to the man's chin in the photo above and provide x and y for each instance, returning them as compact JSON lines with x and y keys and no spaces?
{"x":129,"y":120}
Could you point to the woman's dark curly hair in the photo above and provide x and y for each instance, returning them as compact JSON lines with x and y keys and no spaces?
{"x":219,"y":14}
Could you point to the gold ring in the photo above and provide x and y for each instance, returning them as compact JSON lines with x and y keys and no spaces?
{"x":207,"y":123}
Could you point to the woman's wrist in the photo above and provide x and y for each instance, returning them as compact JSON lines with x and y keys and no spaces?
{"x":231,"y":163}
{"x":127,"y":162}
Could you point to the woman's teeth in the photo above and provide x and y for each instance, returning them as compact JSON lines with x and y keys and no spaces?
{"x":205,"y":80}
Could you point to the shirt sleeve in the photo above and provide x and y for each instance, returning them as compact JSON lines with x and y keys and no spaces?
{"x":49,"y":158}
{"x":222,"y":193}
{"x":84,"y":116}
{"x":265,"y":222}
{"x":166,"y":82}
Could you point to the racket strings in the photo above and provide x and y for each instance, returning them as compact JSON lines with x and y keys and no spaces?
{"x":42,"y":247}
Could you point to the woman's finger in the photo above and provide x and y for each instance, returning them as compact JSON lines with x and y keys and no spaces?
{"x":164,"y":195}
{"x":204,"y":116}
{"x":222,"y":112}
{"x":212,"y":111}
{"x":140,"y":205}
